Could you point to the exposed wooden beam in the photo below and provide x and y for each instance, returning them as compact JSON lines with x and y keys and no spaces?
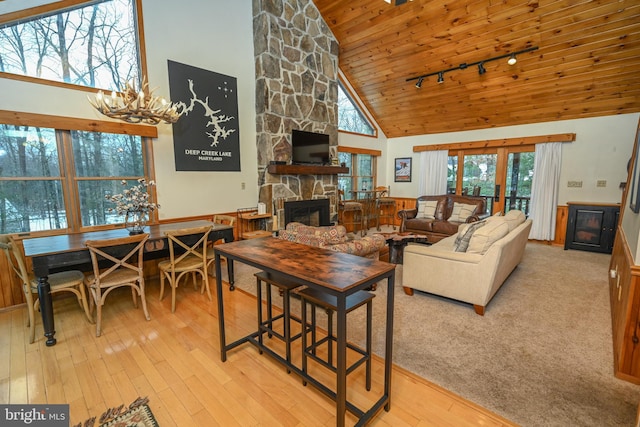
{"x":491,"y":143}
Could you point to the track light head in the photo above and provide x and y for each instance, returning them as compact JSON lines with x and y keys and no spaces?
{"x":440,"y":77}
{"x":512,"y":59}
{"x":419,"y":84}
{"x":481,"y":69}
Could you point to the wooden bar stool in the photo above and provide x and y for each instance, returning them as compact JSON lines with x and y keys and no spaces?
{"x":356,"y":209}
{"x":328,"y":302}
{"x":267,"y":325}
{"x":384,"y":201}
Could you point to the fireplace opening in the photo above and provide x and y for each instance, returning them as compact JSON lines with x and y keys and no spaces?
{"x":309,"y":212}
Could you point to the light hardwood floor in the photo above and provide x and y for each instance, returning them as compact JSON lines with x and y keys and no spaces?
{"x":174,"y":359}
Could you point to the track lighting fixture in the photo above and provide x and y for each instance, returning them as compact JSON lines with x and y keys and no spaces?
{"x":481,"y":69}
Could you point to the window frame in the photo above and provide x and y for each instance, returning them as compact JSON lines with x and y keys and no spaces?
{"x":61,"y":6}
{"x":69,"y":181}
{"x":353,"y":175}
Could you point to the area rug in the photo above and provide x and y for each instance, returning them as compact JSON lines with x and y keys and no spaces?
{"x":137,"y":414}
{"x":542,"y":355}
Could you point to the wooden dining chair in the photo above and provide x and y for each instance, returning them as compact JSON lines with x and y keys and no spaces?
{"x":187,"y":254}
{"x":116,"y":263}
{"x":65,"y":281}
{"x":218,"y":219}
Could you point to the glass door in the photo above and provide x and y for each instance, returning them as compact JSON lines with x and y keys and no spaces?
{"x":503,"y":176}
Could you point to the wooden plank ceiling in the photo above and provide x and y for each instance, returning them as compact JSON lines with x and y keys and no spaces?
{"x":587,"y":64}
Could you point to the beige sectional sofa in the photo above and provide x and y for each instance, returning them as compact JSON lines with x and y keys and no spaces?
{"x":471,"y":265}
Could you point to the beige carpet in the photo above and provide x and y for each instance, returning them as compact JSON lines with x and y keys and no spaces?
{"x":542,"y":354}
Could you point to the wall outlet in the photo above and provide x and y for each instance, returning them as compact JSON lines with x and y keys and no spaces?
{"x":243,"y":185}
{"x":601,"y":183}
{"x":574,"y":184}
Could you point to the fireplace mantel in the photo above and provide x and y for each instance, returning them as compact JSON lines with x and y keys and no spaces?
{"x":306,"y":170}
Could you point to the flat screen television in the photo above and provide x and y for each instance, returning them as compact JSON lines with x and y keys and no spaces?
{"x":309,"y":147}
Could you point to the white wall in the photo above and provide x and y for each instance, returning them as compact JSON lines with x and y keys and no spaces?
{"x":601,"y":151}
{"x":197,"y":34}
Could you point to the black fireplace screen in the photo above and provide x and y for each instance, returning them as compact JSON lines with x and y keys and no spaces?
{"x":309,"y":212}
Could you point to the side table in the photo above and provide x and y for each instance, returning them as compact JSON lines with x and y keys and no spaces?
{"x":398,"y":241}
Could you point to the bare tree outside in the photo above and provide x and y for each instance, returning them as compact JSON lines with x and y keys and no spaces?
{"x":96,"y":46}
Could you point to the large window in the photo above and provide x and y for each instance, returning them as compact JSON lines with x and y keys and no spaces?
{"x":94,"y":44}
{"x":53,"y":179}
{"x":362,"y":166}
{"x":350,"y":116}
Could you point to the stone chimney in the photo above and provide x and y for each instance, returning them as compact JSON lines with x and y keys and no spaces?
{"x":296,"y":62}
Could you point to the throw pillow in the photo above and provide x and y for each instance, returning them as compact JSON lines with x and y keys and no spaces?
{"x":461,"y":212}
{"x":462,"y":239}
{"x":427,"y":209}
{"x":483,"y":238}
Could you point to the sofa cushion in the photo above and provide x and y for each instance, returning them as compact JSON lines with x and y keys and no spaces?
{"x":514,"y":218}
{"x":462,"y":211}
{"x":463,"y":238}
{"x":419,"y":224}
{"x":482,"y":238}
{"x":330,"y":234}
{"x":445,"y":227}
{"x":427,"y":209}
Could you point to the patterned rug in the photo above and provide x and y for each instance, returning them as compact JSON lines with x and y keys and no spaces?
{"x":137,"y":414}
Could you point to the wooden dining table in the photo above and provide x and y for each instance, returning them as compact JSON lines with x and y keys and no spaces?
{"x":336,"y":273}
{"x":51,"y":254}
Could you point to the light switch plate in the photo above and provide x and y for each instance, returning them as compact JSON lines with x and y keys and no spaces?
{"x":574,"y":184}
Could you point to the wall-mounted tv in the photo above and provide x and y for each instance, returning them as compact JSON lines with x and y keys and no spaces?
{"x":309,"y":147}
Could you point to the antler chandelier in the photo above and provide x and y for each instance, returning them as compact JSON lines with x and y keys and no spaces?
{"x":133,"y":106}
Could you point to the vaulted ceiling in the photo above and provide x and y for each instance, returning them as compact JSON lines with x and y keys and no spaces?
{"x":587,"y":63}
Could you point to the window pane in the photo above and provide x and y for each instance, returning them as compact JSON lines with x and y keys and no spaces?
{"x":55,"y":47}
{"x":28,"y":152}
{"x":519,"y":179}
{"x":452,"y":174}
{"x":103,"y":154}
{"x":94,"y":206}
{"x":350,"y":118}
{"x":27,"y":206}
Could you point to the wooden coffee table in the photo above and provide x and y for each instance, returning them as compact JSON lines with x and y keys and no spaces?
{"x":398,"y":241}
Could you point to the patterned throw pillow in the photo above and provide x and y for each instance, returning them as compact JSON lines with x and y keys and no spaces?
{"x":427,"y":209}
{"x":463,"y":238}
{"x":461,"y":212}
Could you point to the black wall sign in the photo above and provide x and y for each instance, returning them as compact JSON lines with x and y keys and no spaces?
{"x":206,"y":137}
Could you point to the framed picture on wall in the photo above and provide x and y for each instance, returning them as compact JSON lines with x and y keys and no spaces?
{"x":402,"y":170}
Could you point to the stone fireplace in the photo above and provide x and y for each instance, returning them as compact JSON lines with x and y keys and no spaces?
{"x":296,"y":62}
{"x":309,"y":212}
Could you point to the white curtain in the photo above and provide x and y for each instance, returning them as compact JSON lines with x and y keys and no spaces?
{"x":544,"y":190}
{"x":432,"y":180}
